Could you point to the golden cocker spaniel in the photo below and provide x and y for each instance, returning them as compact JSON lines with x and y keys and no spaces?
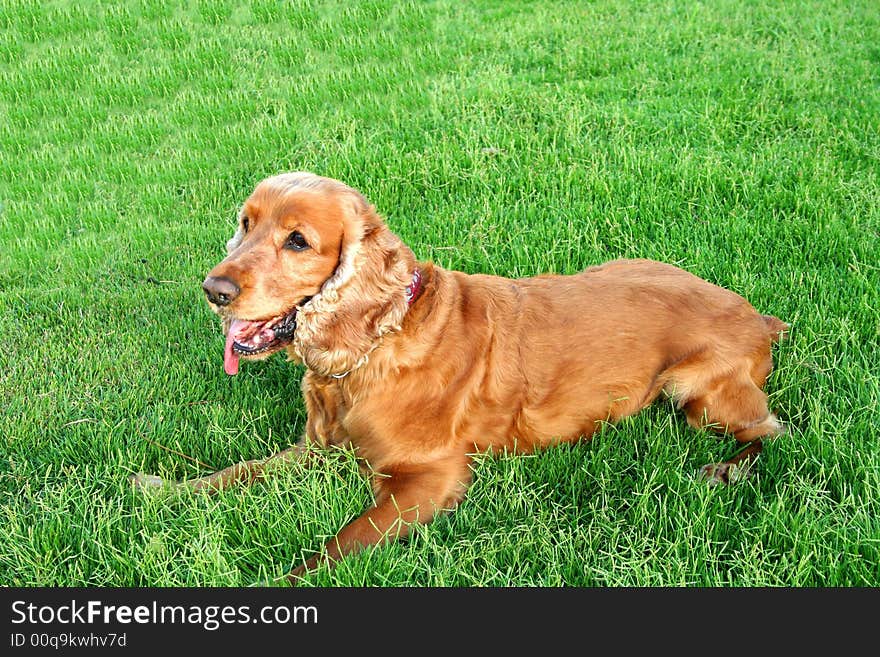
{"x":417,"y":367}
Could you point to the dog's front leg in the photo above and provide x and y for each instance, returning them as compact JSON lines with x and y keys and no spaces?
{"x":244,"y":472}
{"x":322,"y":429}
{"x":404,"y":496}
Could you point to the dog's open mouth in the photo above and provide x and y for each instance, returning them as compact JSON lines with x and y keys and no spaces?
{"x":250,"y":338}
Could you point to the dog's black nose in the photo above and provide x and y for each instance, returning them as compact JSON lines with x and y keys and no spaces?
{"x":220,"y":290}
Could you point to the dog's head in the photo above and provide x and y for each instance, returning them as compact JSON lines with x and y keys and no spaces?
{"x":311,"y":268}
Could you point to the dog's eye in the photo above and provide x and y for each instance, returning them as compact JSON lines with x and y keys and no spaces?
{"x":296,"y":241}
{"x":245,"y":224}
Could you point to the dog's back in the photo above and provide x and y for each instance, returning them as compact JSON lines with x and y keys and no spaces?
{"x":563,"y":354}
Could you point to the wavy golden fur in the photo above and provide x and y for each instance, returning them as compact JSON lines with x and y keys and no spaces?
{"x":476,"y":362}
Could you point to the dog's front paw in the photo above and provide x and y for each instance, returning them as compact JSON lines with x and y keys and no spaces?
{"x":144,"y":481}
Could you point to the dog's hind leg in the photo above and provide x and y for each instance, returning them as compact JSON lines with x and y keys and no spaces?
{"x":733,"y":404}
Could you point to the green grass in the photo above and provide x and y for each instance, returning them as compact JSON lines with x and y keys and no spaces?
{"x":739,"y":140}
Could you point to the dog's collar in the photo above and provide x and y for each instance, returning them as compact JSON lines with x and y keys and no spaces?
{"x":412,"y":290}
{"x":412,"y":293}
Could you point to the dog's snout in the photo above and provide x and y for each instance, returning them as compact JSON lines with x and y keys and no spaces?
{"x":220,"y":290}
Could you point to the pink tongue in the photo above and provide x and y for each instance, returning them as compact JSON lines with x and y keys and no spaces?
{"x":230,"y":358}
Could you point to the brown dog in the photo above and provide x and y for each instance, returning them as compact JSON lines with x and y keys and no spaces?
{"x":417,"y":367}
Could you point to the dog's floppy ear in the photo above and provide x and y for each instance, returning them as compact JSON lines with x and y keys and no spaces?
{"x":358,"y":222}
{"x":363,"y":299}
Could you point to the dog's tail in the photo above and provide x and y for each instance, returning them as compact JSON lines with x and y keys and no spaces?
{"x":777,"y":328}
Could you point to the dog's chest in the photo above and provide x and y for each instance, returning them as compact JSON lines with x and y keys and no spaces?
{"x":407,"y":423}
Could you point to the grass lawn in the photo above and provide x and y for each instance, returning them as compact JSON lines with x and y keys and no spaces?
{"x":739,"y":140}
